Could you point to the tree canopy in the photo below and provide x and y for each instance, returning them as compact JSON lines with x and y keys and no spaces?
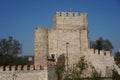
{"x":10,"y":46}
{"x":102,"y":44}
{"x":9,"y":50}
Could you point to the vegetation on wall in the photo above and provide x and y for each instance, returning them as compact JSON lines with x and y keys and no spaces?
{"x":95,"y":75}
{"x":79,"y":68}
{"x":60,"y":66}
{"x":117,"y":58}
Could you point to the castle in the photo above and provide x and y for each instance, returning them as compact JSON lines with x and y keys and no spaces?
{"x":68,"y":27}
{"x":69,"y":36}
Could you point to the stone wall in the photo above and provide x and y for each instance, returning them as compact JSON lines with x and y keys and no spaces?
{"x":40,"y":46}
{"x":69,"y":27}
{"x":53,"y":43}
{"x":100,"y":61}
{"x":72,"y":28}
{"x":51,"y":73}
{"x":70,"y":18}
{"x":41,"y":72}
{"x":73,"y":48}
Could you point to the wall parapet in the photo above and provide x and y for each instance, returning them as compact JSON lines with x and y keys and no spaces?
{"x":102,"y":52}
{"x":68,"y":14}
{"x":26,"y":67}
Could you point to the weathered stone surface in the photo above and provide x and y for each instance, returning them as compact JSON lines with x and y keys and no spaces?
{"x":72,"y":28}
{"x":41,"y":46}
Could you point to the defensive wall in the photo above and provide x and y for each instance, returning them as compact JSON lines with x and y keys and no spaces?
{"x":40,"y":46}
{"x":101,"y":61}
{"x":72,"y":28}
{"x":39,"y":72}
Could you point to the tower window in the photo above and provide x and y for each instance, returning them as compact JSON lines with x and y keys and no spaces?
{"x":104,"y":53}
{"x":60,"y":14}
{"x":73,"y":14}
{"x":53,"y":56}
{"x":67,"y":14}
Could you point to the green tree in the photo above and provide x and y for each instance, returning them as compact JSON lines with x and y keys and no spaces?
{"x":117,"y":58}
{"x":107,"y":45}
{"x":82,"y":64}
{"x":102,"y":44}
{"x":10,"y":46}
{"x":9,"y":49}
{"x":60,"y":66}
{"x":115,"y":75}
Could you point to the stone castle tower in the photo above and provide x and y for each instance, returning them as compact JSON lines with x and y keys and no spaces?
{"x":69,"y":35}
{"x":68,"y":27}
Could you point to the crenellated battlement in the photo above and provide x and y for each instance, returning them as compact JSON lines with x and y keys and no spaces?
{"x":26,"y":67}
{"x":41,"y":29}
{"x":102,"y":52}
{"x":68,"y":19}
{"x":67,"y":14}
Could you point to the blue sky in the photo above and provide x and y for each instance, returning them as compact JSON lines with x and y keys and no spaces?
{"x":18,"y":18}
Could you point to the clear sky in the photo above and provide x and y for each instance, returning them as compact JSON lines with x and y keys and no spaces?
{"x":18,"y":18}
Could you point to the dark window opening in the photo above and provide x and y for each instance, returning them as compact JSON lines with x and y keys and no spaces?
{"x":73,"y":14}
{"x":104,"y":53}
{"x":66,"y":14}
{"x":53,"y":56}
{"x":60,"y":14}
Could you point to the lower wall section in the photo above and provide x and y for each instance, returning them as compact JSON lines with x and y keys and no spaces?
{"x":38,"y":74}
{"x":52,"y":74}
{"x":24,"y":75}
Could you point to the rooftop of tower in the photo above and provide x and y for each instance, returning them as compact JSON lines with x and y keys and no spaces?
{"x":69,"y":14}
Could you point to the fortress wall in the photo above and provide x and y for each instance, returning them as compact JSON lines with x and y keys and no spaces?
{"x":84,"y":39}
{"x":26,"y":67}
{"x":24,"y":75}
{"x":40,"y":72}
{"x":73,"y":48}
{"x":69,"y":27}
{"x":84,"y":19}
{"x":41,"y":46}
{"x":52,"y":41}
{"x":100,"y":61}
{"x":52,"y":75}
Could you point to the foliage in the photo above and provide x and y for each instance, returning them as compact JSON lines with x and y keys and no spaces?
{"x":79,"y":68}
{"x":115,"y":75}
{"x":60,"y":66}
{"x":10,"y":46}
{"x":9,"y":50}
{"x":117,"y":58}
{"x":82,"y":64}
{"x":102,"y":44}
{"x":14,"y":60}
{"x":95,"y":75}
